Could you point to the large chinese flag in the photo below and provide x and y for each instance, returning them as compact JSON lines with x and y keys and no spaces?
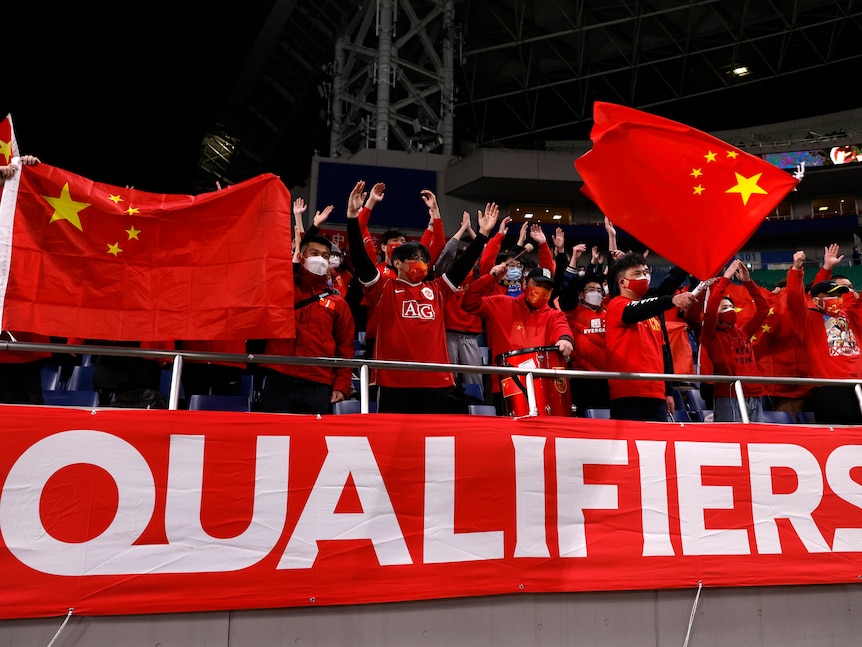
{"x":686,"y":195}
{"x":82,"y":259}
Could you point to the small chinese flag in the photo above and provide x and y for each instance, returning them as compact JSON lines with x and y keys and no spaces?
{"x":8,"y":145}
{"x":81,"y":259}
{"x":686,"y":195}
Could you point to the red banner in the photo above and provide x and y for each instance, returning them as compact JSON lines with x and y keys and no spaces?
{"x":125,"y":512}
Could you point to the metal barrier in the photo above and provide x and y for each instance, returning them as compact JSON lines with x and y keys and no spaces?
{"x":364,"y":366}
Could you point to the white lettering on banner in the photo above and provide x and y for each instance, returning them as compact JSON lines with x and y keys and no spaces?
{"x":695,"y":498}
{"x":191,"y":549}
{"x":346,"y":457}
{"x":838,"y":467}
{"x":573,"y":494}
{"x":530,"y":522}
{"x":797,"y":507}
{"x":654,"y":498}
{"x":441,"y":543}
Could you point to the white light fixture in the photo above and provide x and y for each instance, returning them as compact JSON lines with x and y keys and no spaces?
{"x":528,"y":215}
{"x":823,"y":208}
{"x":741,"y":71}
{"x":558,"y":216}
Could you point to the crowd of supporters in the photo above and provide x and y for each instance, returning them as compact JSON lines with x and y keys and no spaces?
{"x":476,"y":297}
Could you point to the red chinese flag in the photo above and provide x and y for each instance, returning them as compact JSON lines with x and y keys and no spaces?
{"x":686,"y":195}
{"x":8,"y":145}
{"x":81,"y":259}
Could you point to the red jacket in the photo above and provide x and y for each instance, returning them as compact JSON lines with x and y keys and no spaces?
{"x":511,"y":323}
{"x":730,"y":351}
{"x":588,"y":326}
{"x":324,"y":328}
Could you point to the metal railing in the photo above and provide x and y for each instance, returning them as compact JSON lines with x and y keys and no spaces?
{"x":364,"y":366}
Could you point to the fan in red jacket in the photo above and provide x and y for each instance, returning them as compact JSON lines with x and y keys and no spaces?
{"x":408,"y":311}
{"x":324,"y":328}
{"x":831,"y":333}
{"x":520,"y":323}
{"x":728,"y":344}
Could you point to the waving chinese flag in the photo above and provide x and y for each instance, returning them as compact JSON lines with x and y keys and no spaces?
{"x":684,"y":194}
{"x":82,"y":259}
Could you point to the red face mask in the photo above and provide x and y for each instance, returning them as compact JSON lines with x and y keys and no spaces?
{"x":831,"y":305}
{"x":416,"y":271}
{"x":728,"y":317}
{"x":638,"y":286}
{"x":537,"y":297}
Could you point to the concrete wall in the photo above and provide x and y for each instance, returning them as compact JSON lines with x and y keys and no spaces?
{"x":800,"y":616}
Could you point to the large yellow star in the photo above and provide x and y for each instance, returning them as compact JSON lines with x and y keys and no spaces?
{"x":133,"y":233}
{"x":745,"y":186}
{"x":114,"y":249}
{"x":6,"y":150}
{"x":65,"y":208}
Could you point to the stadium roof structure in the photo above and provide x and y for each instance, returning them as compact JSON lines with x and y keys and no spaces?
{"x":525,"y":74}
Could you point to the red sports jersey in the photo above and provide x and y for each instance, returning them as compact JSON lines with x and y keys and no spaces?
{"x":410,"y":327}
{"x":633,"y":348}
{"x":588,"y":326}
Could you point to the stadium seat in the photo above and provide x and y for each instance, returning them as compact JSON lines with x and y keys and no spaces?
{"x":780,"y":417}
{"x":474,"y":392}
{"x":75,"y":398}
{"x":200,"y":402}
{"x":81,"y":378}
{"x":347,"y":406}
{"x":695,"y":399}
{"x":51,"y":377}
{"x":481,"y":410}
{"x":597,"y":413}
{"x":679,"y":415}
{"x":806,"y":417}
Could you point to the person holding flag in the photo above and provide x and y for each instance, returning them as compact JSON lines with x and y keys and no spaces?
{"x":634,"y":342}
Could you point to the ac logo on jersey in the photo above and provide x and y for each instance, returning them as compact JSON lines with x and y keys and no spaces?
{"x":416,"y":310}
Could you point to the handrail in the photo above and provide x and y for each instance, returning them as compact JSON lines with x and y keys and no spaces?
{"x":364,"y":365}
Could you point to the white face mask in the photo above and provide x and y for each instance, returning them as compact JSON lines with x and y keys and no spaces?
{"x":582,"y":273}
{"x":334,"y":262}
{"x":316,"y":265}
{"x":593,"y":298}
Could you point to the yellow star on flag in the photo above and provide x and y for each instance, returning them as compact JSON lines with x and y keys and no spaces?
{"x":117,"y":199}
{"x":65,"y":208}
{"x":114,"y":249}
{"x":766,"y":328}
{"x":699,"y":189}
{"x":132,"y":211}
{"x":696,"y":172}
{"x":710,"y":156}
{"x":6,"y":150}
{"x":745,"y":186}
{"x":133,"y":233}
{"x":732,"y":155}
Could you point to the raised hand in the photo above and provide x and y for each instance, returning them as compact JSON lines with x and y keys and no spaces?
{"x":377,"y":194}
{"x":538,"y":234}
{"x":831,"y":257}
{"x":488,"y":218}
{"x":504,"y":225}
{"x":559,"y":240}
{"x":356,"y":199}
{"x":321,"y":216}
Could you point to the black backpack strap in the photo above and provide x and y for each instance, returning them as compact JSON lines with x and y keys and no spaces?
{"x":310,"y":300}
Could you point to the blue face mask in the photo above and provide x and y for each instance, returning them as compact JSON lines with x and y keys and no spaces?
{"x":514,"y":274}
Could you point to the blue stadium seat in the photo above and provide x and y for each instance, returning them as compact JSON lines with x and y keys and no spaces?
{"x":347,"y":406}
{"x":481,"y":410}
{"x":806,"y":417}
{"x":81,"y":378}
{"x":780,"y":417}
{"x":597,"y":413}
{"x":77,"y":398}
{"x":51,"y":377}
{"x":200,"y":402}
